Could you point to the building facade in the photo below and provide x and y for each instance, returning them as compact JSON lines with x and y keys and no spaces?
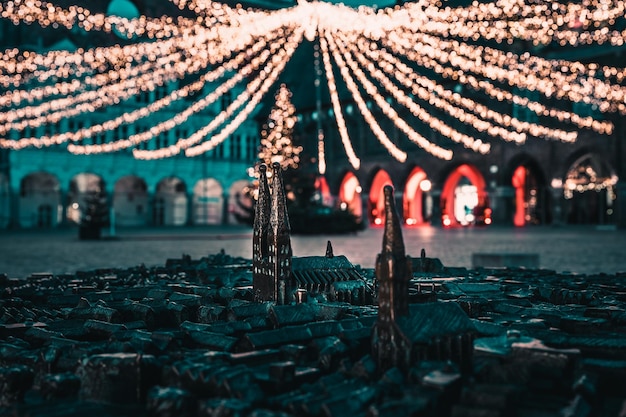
{"x":540,"y":182}
{"x":46,"y":187}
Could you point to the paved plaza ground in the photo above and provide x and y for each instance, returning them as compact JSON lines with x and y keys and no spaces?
{"x":575,"y":249}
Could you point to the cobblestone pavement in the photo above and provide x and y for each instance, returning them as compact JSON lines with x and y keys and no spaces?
{"x":574,"y":249}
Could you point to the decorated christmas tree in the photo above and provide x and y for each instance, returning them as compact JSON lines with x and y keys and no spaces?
{"x":307,"y":214}
{"x":277,"y":134}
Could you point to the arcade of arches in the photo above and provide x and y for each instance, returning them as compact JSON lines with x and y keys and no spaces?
{"x":43,"y":201}
{"x":461,"y":196}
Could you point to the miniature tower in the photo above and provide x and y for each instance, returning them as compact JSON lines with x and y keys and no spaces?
{"x":393,"y":273}
{"x":279,"y":239}
{"x":262,"y":280}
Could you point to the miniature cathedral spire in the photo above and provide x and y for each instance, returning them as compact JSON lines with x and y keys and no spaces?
{"x":261,"y":275}
{"x":261,"y":216}
{"x":280,"y":252}
{"x":392,"y":237}
{"x":329,"y":250}
{"x":393,"y":273}
{"x":279,"y":218}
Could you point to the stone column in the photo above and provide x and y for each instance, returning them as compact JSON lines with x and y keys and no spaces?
{"x":558,"y":218}
{"x":14,"y":208}
{"x":503,"y":205}
{"x":190,"y":220}
{"x":435,"y":220}
{"x":225,"y":204}
{"x":619,"y":205}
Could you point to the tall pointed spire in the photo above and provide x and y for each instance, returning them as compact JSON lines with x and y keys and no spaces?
{"x":262,"y":282}
{"x":262,"y":211}
{"x":392,"y":237}
{"x":280,"y":240}
{"x":279,"y":218}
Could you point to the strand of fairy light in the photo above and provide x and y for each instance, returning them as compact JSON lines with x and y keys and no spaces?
{"x":104,"y":57}
{"x":360,"y":102}
{"x":447,"y":100}
{"x":47,"y":14}
{"x":602,"y":127}
{"x":408,"y":50}
{"x":133,"y":116}
{"x":391,"y":113}
{"x":423,"y":115}
{"x":416,"y":110}
{"x":503,"y":21}
{"x":183,"y":116}
{"x":279,"y":62}
{"x":334,"y":98}
{"x":91,"y":100}
{"x":232,"y":38}
{"x":541,"y":75}
{"x":224,"y":115}
{"x":112,"y":93}
{"x":62,"y":64}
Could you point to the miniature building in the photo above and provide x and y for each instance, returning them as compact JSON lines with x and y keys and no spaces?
{"x":403,"y":335}
{"x":393,"y":273}
{"x":271,"y":247}
{"x":332,"y":275}
{"x":276,"y":274}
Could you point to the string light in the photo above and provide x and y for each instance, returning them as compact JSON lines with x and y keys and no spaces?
{"x":143,"y":112}
{"x":334,"y":98}
{"x":391,"y":113}
{"x":279,"y":62}
{"x":365,"y":112}
{"x":447,"y":100}
{"x":45,"y":89}
{"x":500,"y":94}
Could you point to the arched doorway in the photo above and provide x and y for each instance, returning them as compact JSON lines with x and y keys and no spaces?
{"x":130,"y":201}
{"x":589,"y":191}
{"x":170,"y":203}
{"x":464,"y":200}
{"x":241,"y":202}
{"x":40,"y":200}
{"x":350,"y":195}
{"x":527,"y":197}
{"x":208,"y":202}
{"x":5,"y":202}
{"x":417,"y":204}
{"x":377,"y":197}
{"x":80,"y":186}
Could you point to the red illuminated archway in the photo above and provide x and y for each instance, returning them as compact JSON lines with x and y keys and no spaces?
{"x":323,"y":191}
{"x":413,"y":208}
{"x":519,"y":183}
{"x":480,"y":212}
{"x":377,"y":197}
{"x":350,"y":195}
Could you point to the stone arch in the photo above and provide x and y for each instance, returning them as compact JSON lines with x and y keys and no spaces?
{"x":170,"y":203}
{"x":376,"y":206}
{"x":350,"y":195}
{"x":464,"y":198}
{"x":589,"y":189}
{"x":80,"y":185}
{"x":417,"y":208}
{"x":130,"y":201}
{"x":530,"y":192}
{"x":208,"y":202}
{"x":40,"y":200}
{"x":241,"y":202}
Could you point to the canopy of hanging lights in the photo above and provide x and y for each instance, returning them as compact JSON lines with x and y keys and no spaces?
{"x":401,"y":59}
